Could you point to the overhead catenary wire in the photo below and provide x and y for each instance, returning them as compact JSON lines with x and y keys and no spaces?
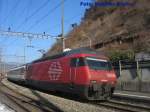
{"x":51,"y":12}
{"x":58,"y":25}
{"x":46,"y":35}
{"x":30,"y":16}
{"x":69,"y":20}
{"x":34,"y":13}
{"x":7,"y":16}
{"x":26,"y":7}
{"x":12,"y":10}
{"x":40,"y":20}
{"x":1,"y":8}
{"x":26,"y":35}
{"x":44,"y":16}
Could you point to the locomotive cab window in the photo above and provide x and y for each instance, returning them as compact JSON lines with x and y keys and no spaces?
{"x":77,"y":62}
{"x":98,"y":64}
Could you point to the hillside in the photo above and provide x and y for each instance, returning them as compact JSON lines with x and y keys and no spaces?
{"x":112,"y":28}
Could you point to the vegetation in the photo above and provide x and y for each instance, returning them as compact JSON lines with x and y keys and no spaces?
{"x":120,"y":28}
{"x":121,"y":55}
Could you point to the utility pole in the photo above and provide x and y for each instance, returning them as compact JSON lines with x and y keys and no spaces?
{"x":62,"y":25}
{"x":90,"y":40}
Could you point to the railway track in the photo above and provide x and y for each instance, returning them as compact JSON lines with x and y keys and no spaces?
{"x":124,"y":106}
{"x":22,"y":103}
{"x":29,"y":104}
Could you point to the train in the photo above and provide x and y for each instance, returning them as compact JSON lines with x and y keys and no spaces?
{"x":17,"y":74}
{"x":83,"y":71}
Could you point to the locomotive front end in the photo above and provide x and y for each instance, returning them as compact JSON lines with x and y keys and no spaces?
{"x":102,"y":79}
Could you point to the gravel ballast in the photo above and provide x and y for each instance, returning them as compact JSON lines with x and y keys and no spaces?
{"x":56,"y":102}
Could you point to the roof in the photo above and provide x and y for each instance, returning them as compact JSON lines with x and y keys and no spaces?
{"x":67,"y":53}
{"x":17,"y":68}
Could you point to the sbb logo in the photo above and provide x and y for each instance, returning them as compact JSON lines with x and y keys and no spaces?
{"x":55,"y":71}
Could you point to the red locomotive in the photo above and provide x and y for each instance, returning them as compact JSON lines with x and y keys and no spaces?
{"x":80,"y":71}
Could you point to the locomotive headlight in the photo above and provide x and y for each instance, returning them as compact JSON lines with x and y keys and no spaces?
{"x":93,"y":81}
{"x":112,"y":82}
{"x":111,"y":75}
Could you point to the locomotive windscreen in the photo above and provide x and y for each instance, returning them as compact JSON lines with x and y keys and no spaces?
{"x":98,"y":64}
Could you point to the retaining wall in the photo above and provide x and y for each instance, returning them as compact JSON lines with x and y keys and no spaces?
{"x":133,"y":76}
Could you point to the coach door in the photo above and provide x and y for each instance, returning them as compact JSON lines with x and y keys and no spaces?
{"x":73,"y":70}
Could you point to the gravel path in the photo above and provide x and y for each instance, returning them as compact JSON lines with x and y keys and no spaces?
{"x":56,"y":102}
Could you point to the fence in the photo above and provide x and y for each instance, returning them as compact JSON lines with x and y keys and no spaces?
{"x":133,"y":76}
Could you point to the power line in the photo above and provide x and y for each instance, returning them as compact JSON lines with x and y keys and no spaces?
{"x":31,"y":15}
{"x":1,"y":7}
{"x":54,"y":10}
{"x":24,"y":9}
{"x":43,"y":17}
{"x":65,"y":21}
{"x":11,"y":11}
{"x":34,"y":13}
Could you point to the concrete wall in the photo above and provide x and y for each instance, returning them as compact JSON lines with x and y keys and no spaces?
{"x":145,"y":72}
{"x":131,"y":74}
{"x":130,"y":80}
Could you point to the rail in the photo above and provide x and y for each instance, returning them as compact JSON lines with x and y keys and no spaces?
{"x":124,"y":106}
